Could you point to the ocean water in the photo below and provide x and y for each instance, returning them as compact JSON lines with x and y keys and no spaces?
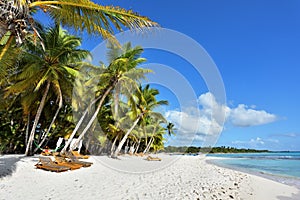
{"x":280,"y":166}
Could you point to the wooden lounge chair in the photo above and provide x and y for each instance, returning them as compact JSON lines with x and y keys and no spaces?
{"x":150,"y":158}
{"x":74,"y":159}
{"x":63,"y":162}
{"x":49,"y":153}
{"x":47,"y":164}
{"x":139,"y":154}
{"x":46,"y":152}
{"x":79,"y":156}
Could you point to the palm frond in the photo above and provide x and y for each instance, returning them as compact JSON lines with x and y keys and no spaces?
{"x":42,"y":81}
{"x":94,"y":18}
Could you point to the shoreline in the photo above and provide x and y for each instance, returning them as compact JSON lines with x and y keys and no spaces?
{"x":288,"y":180}
{"x":176,"y":177}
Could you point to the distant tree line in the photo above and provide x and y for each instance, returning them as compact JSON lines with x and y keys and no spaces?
{"x":222,"y":149}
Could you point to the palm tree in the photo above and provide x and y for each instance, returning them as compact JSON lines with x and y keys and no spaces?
{"x":154,"y":129}
{"x":8,"y":65}
{"x":49,"y":69}
{"x":158,"y":139}
{"x":17,"y":21}
{"x":123,"y":70}
{"x":119,"y":121}
{"x":170,"y":128}
{"x":142,"y":105}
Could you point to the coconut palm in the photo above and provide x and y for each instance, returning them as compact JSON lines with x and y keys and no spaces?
{"x":158,"y":140}
{"x":154,"y":128}
{"x":48,"y":69}
{"x":119,"y":123}
{"x":8,"y":63}
{"x":170,"y":128}
{"x":122,"y":70}
{"x":142,"y":104}
{"x":17,"y":18}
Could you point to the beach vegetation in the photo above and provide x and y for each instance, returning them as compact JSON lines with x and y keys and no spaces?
{"x":47,"y":87}
{"x":46,"y":75}
{"x":221,"y":149}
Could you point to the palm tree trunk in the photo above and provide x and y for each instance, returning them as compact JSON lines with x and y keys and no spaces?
{"x":36,"y":120}
{"x":27,"y":128}
{"x":52,"y":122}
{"x":146,"y":138}
{"x":138,"y":145}
{"x":149,"y":145}
{"x":116,"y":101}
{"x":126,"y":135}
{"x":7,"y":45}
{"x":78,"y":126}
{"x":87,"y":144}
{"x":113,"y":145}
{"x":151,"y":141}
{"x":116,"y":117}
{"x":95,"y":114}
{"x":49,"y":128}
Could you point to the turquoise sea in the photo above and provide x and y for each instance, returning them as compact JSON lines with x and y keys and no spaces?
{"x":280,"y":166}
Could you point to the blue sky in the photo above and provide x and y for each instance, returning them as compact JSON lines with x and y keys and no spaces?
{"x":256,"y":47}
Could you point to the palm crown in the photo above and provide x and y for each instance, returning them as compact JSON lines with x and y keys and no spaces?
{"x":16,"y":17}
{"x":48,"y":69}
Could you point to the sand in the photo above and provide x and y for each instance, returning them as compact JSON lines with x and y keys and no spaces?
{"x":131,"y":177}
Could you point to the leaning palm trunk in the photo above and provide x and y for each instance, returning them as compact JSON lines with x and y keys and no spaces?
{"x":126,"y":135}
{"x":116,"y":117}
{"x":150,"y":142}
{"x":63,"y":151}
{"x":48,"y":131}
{"x":113,"y":144}
{"x":27,"y":128}
{"x":116,"y":101}
{"x":95,"y":113}
{"x":145,"y":134}
{"x":87,"y":146}
{"x":149,"y":145}
{"x":36,"y":120}
{"x":60,"y":104}
{"x":138,"y":146}
{"x":78,"y":126}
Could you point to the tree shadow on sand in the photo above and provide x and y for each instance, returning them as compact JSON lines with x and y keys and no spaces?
{"x":8,"y":165}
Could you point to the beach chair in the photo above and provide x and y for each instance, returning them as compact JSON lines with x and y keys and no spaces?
{"x":150,"y":158}
{"x":139,"y":154}
{"x":63,"y":162}
{"x":79,"y":156}
{"x":74,"y":159}
{"x":52,"y":152}
{"x":46,"y":163}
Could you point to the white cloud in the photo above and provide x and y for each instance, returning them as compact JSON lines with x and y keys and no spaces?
{"x":291,"y":135}
{"x":203,"y":123}
{"x":252,"y":142}
{"x":273,"y":140}
{"x":256,"y":143}
{"x":212,"y":108}
{"x":192,"y":123}
{"x":208,"y":119}
{"x":244,"y":116}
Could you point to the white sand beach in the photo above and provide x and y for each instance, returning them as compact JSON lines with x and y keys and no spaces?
{"x":175,"y":177}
